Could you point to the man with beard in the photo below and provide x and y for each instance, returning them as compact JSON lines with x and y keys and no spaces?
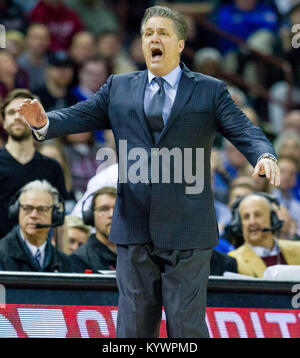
{"x":20,"y":162}
{"x":98,"y":253}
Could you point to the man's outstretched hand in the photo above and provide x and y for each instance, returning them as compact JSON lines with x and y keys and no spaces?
{"x":268,"y":167}
{"x":33,"y":112}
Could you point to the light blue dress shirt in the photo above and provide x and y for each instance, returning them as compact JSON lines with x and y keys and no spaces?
{"x":170,"y":86}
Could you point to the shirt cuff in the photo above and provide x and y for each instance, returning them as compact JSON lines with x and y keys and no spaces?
{"x":267,"y":155}
{"x":41,"y":133}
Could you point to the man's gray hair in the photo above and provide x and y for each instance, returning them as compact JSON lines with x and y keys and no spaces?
{"x":179,"y":21}
{"x":42,"y":186}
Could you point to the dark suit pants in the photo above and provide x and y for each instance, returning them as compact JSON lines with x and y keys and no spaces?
{"x":149,"y":278}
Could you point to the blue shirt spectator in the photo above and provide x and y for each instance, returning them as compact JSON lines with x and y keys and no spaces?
{"x":243,"y":18}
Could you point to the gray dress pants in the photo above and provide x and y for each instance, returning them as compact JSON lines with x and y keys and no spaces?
{"x":149,"y":278}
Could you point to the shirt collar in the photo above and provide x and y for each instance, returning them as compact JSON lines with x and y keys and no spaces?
{"x":33,"y":249}
{"x":172,"y":77}
{"x":263,"y":251}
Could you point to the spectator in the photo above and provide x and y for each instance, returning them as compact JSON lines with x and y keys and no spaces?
{"x":261,"y":184}
{"x":251,"y":114}
{"x":220,"y":263}
{"x":231,"y":162}
{"x":55,"y":93}
{"x":240,"y":187}
{"x":243,"y":19}
{"x":62,"y":21}
{"x":82,"y":48}
{"x":105,"y":177}
{"x":209,"y":61}
{"x":81,"y":150}
{"x":288,"y":174}
{"x":289,"y":227}
{"x":109,"y":46}
{"x":291,"y":121}
{"x":136,"y":53}
{"x":92,"y":76}
{"x":12,"y":16}
{"x":20,"y":162}
{"x":98,"y":253}
{"x":76,"y":233}
{"x":280,"y":89}
{"x":8,"y":73}
{"x":26,"y":247}
{"x":35,"y":60}
{"x":15,"y":43}
{"x":261,"y":248}
{"x":288,"y":144}
{"x":95,"y":15}
{"x":55,"y":150}
{"x":229,"y":240}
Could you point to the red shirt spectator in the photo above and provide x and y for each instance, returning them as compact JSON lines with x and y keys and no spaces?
{"x":62,"y":22}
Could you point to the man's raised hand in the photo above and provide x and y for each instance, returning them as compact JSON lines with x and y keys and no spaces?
{"x":33,"y":112}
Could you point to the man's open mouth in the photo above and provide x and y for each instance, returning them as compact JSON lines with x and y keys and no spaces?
{"x":156,"y":53}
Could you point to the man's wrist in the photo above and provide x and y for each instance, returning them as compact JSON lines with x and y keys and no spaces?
{"x":268,"y":156}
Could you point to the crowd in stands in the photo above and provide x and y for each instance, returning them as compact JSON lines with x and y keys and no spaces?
{"x":63,"y":51}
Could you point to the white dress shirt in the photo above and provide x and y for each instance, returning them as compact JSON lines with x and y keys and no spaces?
{"x":33,"y":249}
{"x":170,"y":86}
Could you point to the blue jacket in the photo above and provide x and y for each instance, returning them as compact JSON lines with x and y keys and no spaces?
{"x":164,"y":212}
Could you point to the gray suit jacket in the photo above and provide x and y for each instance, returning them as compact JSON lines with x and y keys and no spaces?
{"x":165,"y":212}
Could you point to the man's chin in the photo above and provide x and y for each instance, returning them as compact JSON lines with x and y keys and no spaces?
{"x":19,"y":137}
{"x":255,"y":238}
{"x":157,"y":68}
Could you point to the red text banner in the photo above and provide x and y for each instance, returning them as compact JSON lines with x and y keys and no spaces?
{"x":59,"y":321}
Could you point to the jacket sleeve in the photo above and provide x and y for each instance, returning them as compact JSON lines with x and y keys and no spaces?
{"x":238,"y":129}
{"x":84,"y":116}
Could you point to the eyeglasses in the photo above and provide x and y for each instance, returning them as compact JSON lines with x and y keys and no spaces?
{"x":42,"y":209}
{"x":104,"y":210}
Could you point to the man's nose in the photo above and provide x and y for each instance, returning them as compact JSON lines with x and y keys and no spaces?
{"x":34,"y":213}
{"x":111,"y":212}
{"x":155,"y":37}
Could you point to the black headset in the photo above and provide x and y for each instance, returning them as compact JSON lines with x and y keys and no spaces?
{"x":58,"y":212}
{"x":236,"y":222}
{"x":88,"y":214}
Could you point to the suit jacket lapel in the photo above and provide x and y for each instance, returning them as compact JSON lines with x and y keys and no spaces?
{"x":254,"y":261}
{"x":138,"y":86}
{"x":184,"y":91}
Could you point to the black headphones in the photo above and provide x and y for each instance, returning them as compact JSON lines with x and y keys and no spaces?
{"x":236,"y":222}
{"x":88,"y":214}
{"x":58,"y":212}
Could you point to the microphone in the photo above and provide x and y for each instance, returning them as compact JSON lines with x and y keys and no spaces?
{"x":42,"y":226}
{"x":273,"y":228}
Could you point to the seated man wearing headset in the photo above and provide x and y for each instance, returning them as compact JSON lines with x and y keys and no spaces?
{"x":35,"y":208}
{"x":98,"y":253}
{"x":255,"y":217}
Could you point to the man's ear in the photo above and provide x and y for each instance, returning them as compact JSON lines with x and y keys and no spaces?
{"x":181,"y":44}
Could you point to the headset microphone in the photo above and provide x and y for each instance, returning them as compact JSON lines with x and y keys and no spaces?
{"x":42,"y":226}
{"x":273,"y":228}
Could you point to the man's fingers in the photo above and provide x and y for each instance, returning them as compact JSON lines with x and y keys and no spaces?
{"x":270,"y":169}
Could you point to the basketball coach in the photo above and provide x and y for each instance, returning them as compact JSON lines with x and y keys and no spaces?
{"x":164,"y":233}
